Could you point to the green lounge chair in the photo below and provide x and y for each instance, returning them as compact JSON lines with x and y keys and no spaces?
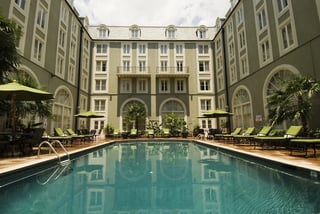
{"x":116,"y":133}
{"x":166,"y":132}
{"x":240,"y":138}
{"x":272,"y":141}
{"x":81,"y":137}
{"x":302,"y":144}
{"x":150,"y":132}
{"x":133,"y":133}
{"x":230,"y":136}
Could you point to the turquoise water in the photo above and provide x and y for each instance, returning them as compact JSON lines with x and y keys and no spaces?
{"x":160,"y":178}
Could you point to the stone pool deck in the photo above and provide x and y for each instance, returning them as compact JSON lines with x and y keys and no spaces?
{"x":279,"y":155}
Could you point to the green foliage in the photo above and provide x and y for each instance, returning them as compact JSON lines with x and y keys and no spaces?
{"x":174,"y":123}
{"x":9,"y":58}
{"x":293,"y":101}
{"x":135,"y":113}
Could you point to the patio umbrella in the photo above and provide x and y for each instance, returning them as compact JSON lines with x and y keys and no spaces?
{"x":89,"y":114}
{"x":216,"y":114}
{"x":14,"y":91}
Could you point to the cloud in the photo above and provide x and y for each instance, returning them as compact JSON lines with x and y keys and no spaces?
{"x":152,"y":12}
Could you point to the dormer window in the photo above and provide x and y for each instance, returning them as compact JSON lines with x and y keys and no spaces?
{"x":201,"y":32}
{"x":135,"y":32}
{"x":103,"y":31}
{"x":171,"y":32}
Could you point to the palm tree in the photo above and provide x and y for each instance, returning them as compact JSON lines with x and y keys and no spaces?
{"x":293,"y":101}
{"x":134,"y":113}
{"x":9,"y":58}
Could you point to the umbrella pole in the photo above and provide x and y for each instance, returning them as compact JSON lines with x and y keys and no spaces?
{"x":14,"y":124}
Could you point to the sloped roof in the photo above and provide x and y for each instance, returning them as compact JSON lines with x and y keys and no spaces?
{"x":151,"y":33}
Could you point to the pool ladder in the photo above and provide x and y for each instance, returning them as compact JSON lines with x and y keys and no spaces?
{"x":51,"y":148}
{"x":63,"y":167}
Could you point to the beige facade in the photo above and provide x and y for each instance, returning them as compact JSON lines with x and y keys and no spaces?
{"x":186,"y":70}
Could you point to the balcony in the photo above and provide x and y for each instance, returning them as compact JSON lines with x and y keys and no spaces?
{"x":172,"y":71}
{"x":133,"y":71}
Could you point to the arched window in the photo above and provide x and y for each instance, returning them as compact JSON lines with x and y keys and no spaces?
{"x":242,"y":109}
{"x":62,"y":109}
{"x":173,"y":106}
{"x":128,"y":121}
{"x":273,"y":81}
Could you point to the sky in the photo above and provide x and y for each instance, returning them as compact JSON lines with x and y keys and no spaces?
{"x":152,"y":12}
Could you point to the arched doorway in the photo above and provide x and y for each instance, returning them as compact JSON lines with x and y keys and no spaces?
{"x":62,"y":109}
{"x":242,"y":108}
{"x":138,"y":120}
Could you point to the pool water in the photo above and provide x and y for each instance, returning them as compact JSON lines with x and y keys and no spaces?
{"x":160,"y":177}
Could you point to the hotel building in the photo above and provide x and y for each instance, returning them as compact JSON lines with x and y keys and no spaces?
{"x":234,"y":65}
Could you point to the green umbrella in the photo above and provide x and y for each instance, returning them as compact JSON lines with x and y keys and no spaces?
{"x":14,"y":91}
{"x":89,"y":114}
{"x":217,"y":113}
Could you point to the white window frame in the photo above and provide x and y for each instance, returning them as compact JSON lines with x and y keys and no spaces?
{"x":142,"y":85}
{"x":125,"y":85}
{"x":164,"y":85}
{"x":101,"y":66}
{"x":100,"y":85}
{"x":180,"y":85}
{"x":100,"y":105}
{"x":204,"y":85}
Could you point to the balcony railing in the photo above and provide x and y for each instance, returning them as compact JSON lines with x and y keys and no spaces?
{"x":133,"y":71}
{"x":163,"y":71}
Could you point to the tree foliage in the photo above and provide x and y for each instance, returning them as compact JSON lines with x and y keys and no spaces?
{"x":134,"y":113}
{"x":9,"y":58}
{"x":293,"y":101}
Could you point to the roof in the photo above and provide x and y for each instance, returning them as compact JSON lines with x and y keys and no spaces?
{"x":152,"y":33}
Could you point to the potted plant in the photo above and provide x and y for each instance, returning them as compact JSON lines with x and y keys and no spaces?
{"x":108,"y":130}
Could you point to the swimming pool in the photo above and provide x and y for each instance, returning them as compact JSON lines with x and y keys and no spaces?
{"x":160,"y":177}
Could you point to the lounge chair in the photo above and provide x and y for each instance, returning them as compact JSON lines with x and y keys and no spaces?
{"x":116,"y":133}
{"x":166,"y":132}
{"x":133,"y":133}
{"x":272,"y":141}
{"x":303,"y":144}
{"x":80,"y":137}
{"x":243,"y":138}
{"x":230,"y":136}
{"x":150,"y":133}
{"x":58,"y":135}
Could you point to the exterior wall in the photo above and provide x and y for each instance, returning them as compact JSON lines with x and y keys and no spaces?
{"x":299,"y":58}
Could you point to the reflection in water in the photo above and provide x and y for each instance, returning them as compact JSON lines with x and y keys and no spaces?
{"x":161,"y":177}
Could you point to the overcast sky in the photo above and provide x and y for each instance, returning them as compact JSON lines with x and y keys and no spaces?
{"x":152,"y":12}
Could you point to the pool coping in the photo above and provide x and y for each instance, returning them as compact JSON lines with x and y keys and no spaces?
{"x":296,"y":167}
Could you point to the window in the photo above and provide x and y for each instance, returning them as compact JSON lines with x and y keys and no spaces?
{"x":231,"y":50}
{"x":203,"y":66}
{"x":62,"y":35}
{"x":37,"y":50}
{"x":95,"y":200}
{"x":230,"y":29}
{"x":142,"y":86}
{"x":282,"y":4}
{"x":210,"y":195}
{"x":100,"y":85}
{"x":64,"y":13}
{"x":239,"y":16}
{"x":218,"y":44}
{"x":164,"y":85}
{"x":205,"y":104}
{"x":179,"y":66}
{"x":125,"y":86}
{"x":142,"y":49}
{"x":71,"y":73}
{"x":233,"y":74}
{"x":163,"y":49}
{"x":219,"y":61}
{"x":164,"y":65}
{"x":204,"y":85}
{"x":262,"y":19}
{"x":171,"y":32}
{"x":243,"y":116}
{"x":99,"y":105}
{"x":102,"y":33}
{"x":242,"y":39}
{"x":60,"y":66}
{"x":126,"y":65}
{"x":244,"y":71}
{"x":287,"y":40}
{"x":220,"y":82}
{"x":265,"y":51}
{"x":142,"y":66}
{"x":179,"y":49}
{"x":180,"y":85}
{"x":21,"y":3}
{"x":203,"y":49}
{"x":135,"y":33}
{"x":201,"y":32}
{"x":73,"y":49}
{"x":126,"y":49}
{"x":41,"y":17}
{"x":102,"y":48}
{"x":101,"y":66}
